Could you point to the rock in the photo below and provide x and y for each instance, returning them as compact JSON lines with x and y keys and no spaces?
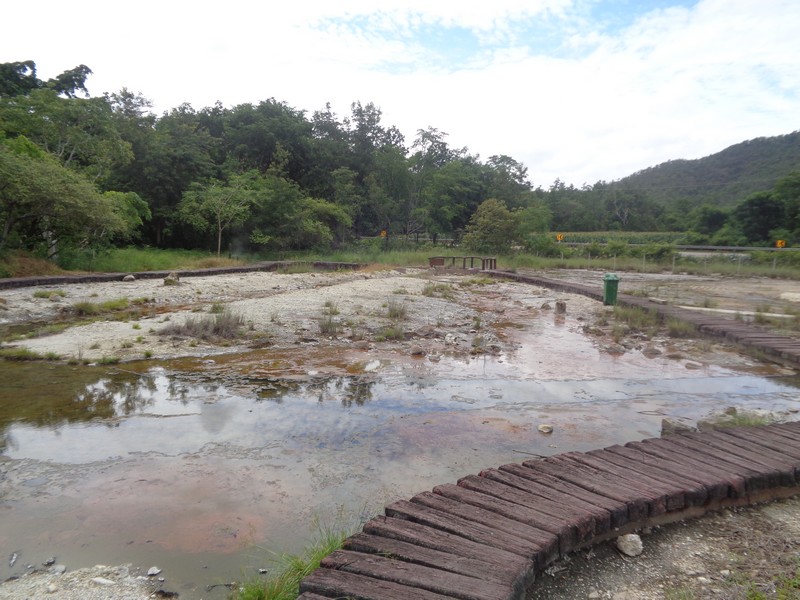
{"x":651,"y":352}
{"x":102,"y":581}
{"x":417,"y":351}
{"x":57,"y":569}
{"x":545,"y":428}
{"x":546,"y":306}
{"x":630,"y":544}
{"x":172,"y":279}
{"x":693,"y":366}
{"x":153,"y":571}
{"x":50,"y":561}
{"x":361,"y":345}
{"x":426,"y":331}
{"x":593,"y":595}
{"x":561,"y":307}
{"x":52,"y":589}
{"x":129,"y":277}
{"x":673,"y":426}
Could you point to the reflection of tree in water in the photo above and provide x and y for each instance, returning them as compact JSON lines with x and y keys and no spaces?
{"x":351,"y":390}
{"x":50,"y":396}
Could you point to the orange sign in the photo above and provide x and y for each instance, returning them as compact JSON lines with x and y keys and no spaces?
{"x":383,"y":233}
{"x":559,"y":237}
{"x":780,"y":244}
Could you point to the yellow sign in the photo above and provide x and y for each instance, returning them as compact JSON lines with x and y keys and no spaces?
{"x":780,"y":244}
{"x":383,"y":233}
{"x":559,"y":237}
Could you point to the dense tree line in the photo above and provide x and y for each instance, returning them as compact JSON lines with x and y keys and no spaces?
{"x":80,"y":172}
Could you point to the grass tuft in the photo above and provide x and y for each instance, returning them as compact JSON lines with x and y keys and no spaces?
{"x":226,"y":325}
{"x":284,"y":582}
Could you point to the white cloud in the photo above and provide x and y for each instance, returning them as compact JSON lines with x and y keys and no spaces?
{"x":591,"y":103}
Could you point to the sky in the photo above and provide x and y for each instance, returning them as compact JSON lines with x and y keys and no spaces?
{"x":576,"y":90}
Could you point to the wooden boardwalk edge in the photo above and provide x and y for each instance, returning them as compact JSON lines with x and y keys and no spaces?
{"x":774,"y":346}
{"x":489,"y":536}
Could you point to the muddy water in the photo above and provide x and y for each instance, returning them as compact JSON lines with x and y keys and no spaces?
{"x":204,"y":466}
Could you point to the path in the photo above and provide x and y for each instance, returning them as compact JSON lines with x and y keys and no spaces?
{"x":487,"y":537}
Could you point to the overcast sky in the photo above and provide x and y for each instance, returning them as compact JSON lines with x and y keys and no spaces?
{"x":580,"y":90}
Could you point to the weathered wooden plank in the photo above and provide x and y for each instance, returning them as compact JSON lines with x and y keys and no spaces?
{"x":514,"y":511}
{"x":571,"y":527}
{"x":767,"y":438}
{"x":446,"y":583}
{"x":312,"y":596}
{"x":698,"y":485}
{"x":673,"y":496}
{"x":483,"y":534}
{"x":545,"y":542}
{"x":436,"y":539}
{"x":735,"y":483}
{"x":552,"y":503}
{"x":759,"y":478}
{"x":572,"y":495}
{"x":444,"y":561}
{"x":332,"y":583}
{"x":638,"y":508}
{"x":762,"y":458}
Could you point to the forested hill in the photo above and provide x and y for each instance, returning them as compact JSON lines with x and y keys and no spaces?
{"x":723,"y":179}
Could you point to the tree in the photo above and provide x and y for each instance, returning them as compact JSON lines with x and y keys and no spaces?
{"x":19,"y":79}
{"x":220,"y":205}
{"x":757,"y":216}
{"x":493,"y":228}
{"x":44,"y":205}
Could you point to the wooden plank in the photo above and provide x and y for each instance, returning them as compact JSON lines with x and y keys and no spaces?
{"x":571,"y":527}
{"x":572,"y":495}
{"x":545,"y":542}
{"x":517,"y":512}
{"x":483,"y":534}
{"x":448,"y":584}
{"x":763,"y":458}
{"x":436,"y":539}
{"x":672,"y":495}
{"x":766,"y":438}
{"x":760,"y":478}
{"x":312,"y":596}
{"x":554,"y":504}
{"x":444,"y":561}
{"x":698,"y":485}
{"x":735,"y":484}
{"x":637,"y":507}
{"x":340,"y":584}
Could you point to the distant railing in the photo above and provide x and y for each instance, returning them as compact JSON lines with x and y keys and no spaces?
{"x":486,"y":262}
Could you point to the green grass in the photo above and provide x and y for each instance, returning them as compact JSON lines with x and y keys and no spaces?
{"x":637,"y":318}
{"x":284,"y":582}
{"x":128,"y":260}
{"x":25,"y":354}
{"x":438,"y":290}
{"x":49,"y":294}
{"x":392,"y":332}
{"x":396,"y":309}
{"x":226,"y":325}
{"x":328,"y":325}
{"x":680,"y":329}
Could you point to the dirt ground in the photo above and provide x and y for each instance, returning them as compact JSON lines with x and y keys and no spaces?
{"x":446,"y":314}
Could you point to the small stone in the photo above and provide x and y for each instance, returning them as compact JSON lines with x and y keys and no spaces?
{"x":546,"y":306}
{"x":545,"y":428}
{"x":673,"y":426}
{"x":630,"y":544}
{"x":102,"y":581}
{"x":129,"y":278}
{"x":50,"y":561}
{"x":703,"y":580}
{"x":417,"y":351}
{"x":725,"y":573}
{"x":52,"y":589}
{"x":58,"y":569}
{"x":561,"y":307}
{"x":693,"y":366}
{"x":593,"y":595}
{"x":153,"y":571}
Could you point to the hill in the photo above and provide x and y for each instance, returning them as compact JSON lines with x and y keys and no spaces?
{"x":722,"y":179}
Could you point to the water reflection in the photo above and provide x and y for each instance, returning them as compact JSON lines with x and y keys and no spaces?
{"x":350,"y":390}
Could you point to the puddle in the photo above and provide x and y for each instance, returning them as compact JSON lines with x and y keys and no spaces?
{"x":202,"y":466}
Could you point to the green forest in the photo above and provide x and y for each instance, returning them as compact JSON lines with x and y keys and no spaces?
{"x":79,"y":174}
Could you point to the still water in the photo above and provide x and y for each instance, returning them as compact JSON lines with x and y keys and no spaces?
{"x":206,"y":467}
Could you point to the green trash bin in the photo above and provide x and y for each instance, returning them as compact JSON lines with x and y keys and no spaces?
{"x":610,"y":287}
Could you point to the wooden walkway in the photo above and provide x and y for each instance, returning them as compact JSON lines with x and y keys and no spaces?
{"x":487,"y":537}
{"x":776,"y":347}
